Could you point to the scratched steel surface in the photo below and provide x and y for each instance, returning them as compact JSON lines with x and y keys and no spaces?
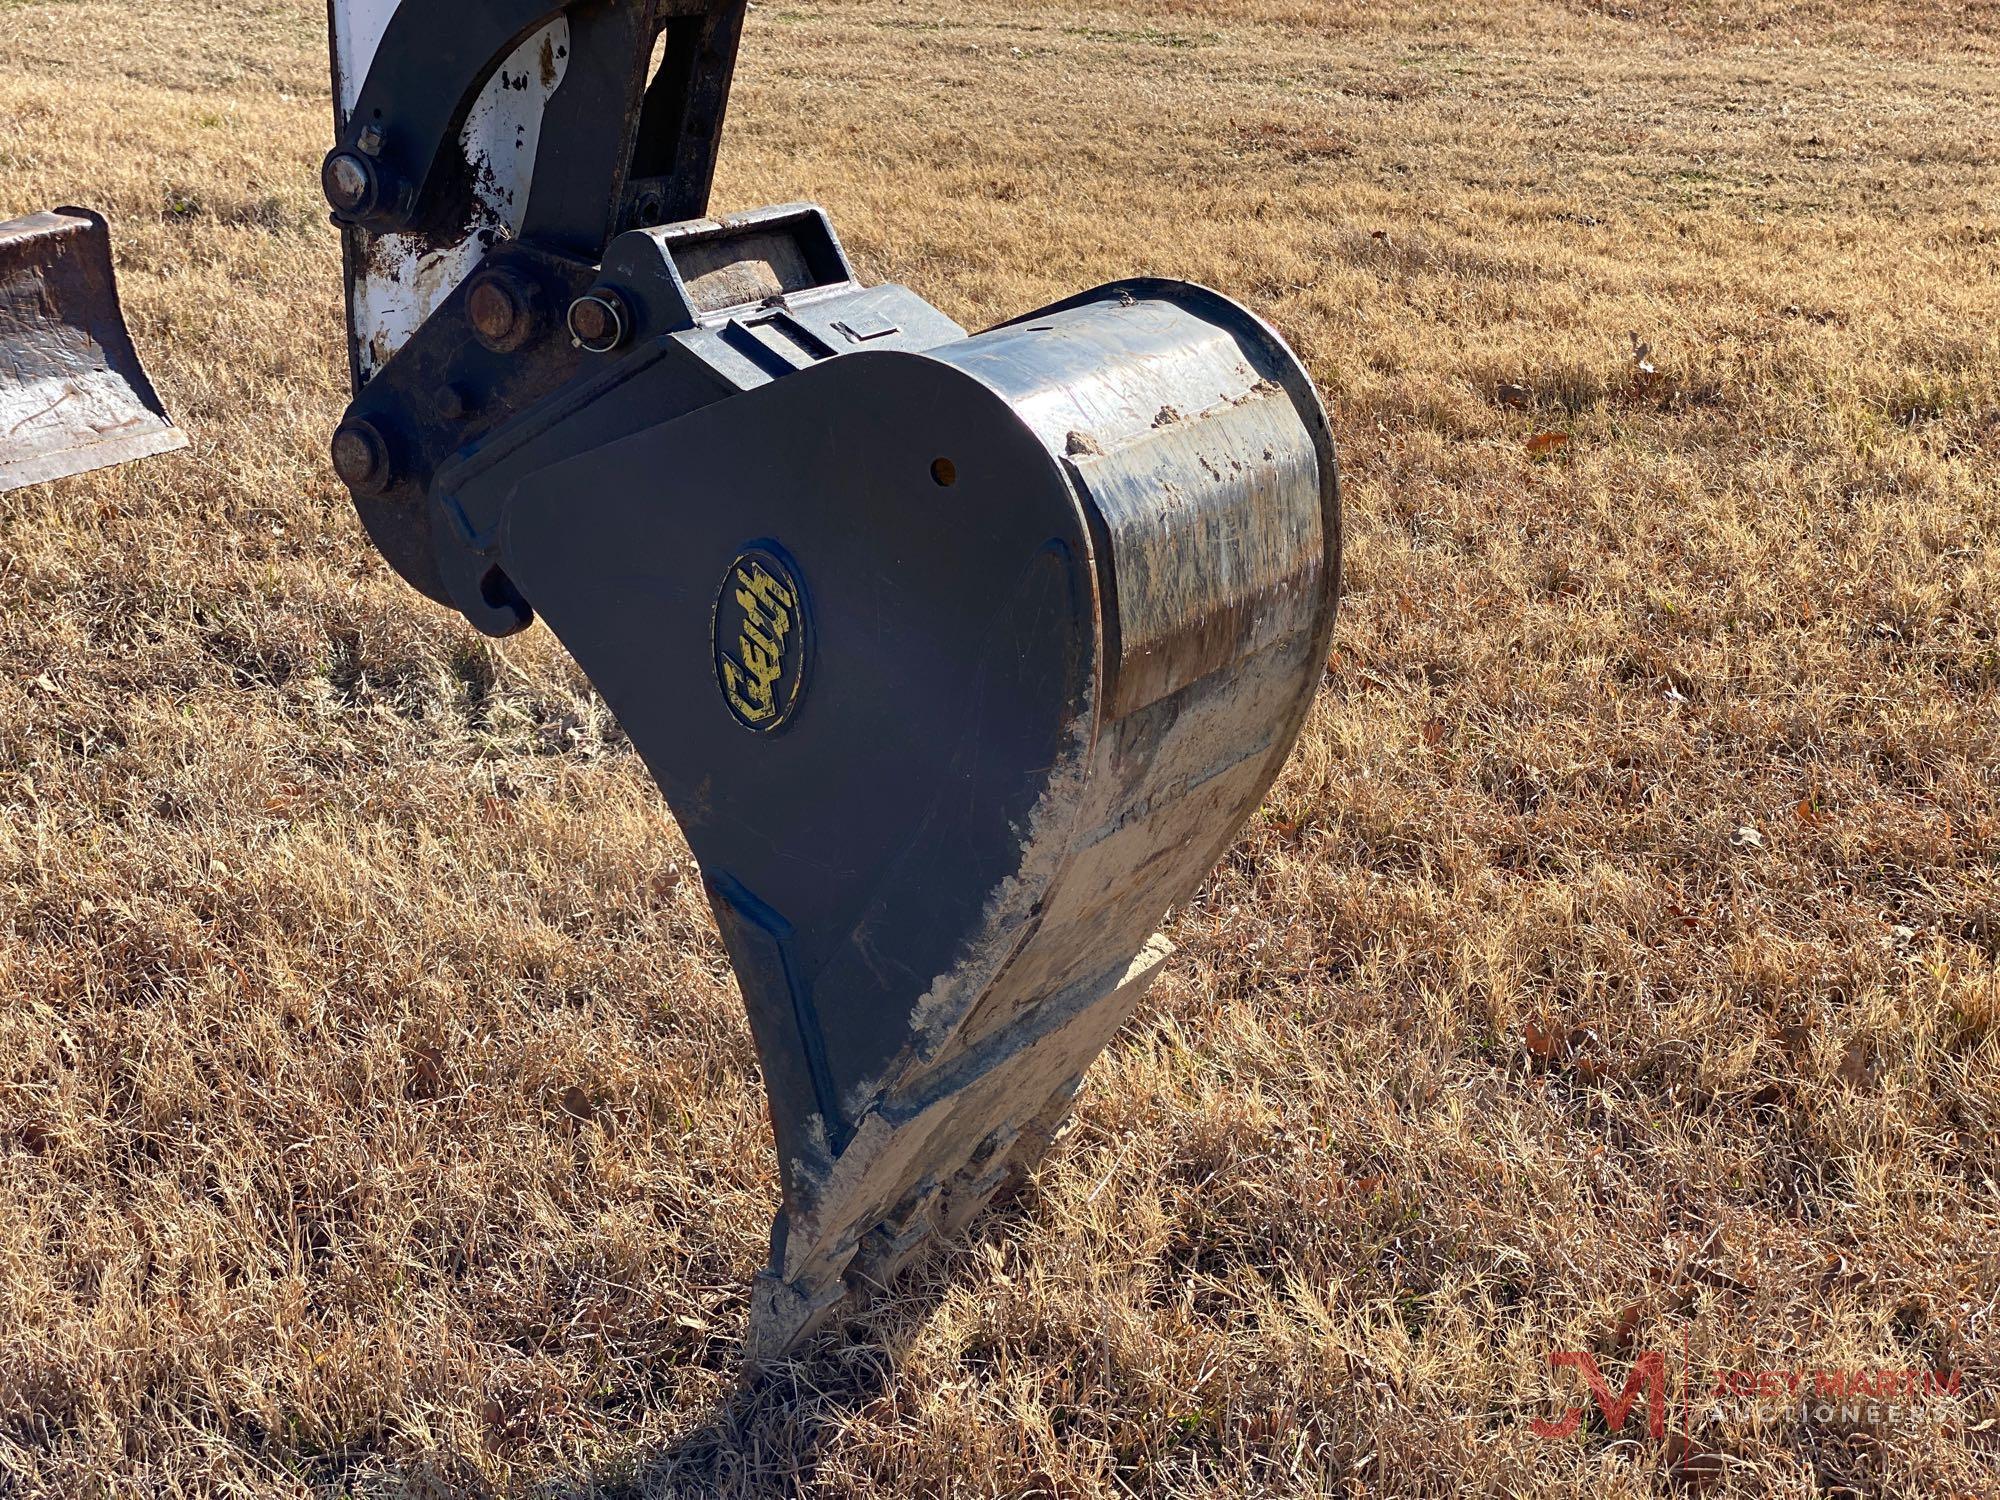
{"x":73,"y":395}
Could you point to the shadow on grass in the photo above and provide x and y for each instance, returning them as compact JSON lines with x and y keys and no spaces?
{"x":766,"y":1437}
{"x":764,"y":1440}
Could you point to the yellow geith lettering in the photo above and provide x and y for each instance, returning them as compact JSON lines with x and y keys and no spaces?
{"x":763,"y":596}
{"x":751,"y":682}
{"x":754,"y":700}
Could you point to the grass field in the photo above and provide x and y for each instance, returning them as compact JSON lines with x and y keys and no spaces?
{"x":1616,"y":970}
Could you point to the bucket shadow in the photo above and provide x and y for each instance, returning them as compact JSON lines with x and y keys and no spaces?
{"x":764,"y":1439}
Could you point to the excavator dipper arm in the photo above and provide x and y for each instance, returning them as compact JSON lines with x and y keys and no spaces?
{"x":960,"y":659}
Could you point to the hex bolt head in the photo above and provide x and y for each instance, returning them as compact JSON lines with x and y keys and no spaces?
{"x":361,"y":458}
{"x":598,"y":321}
{"x":503,"y":309}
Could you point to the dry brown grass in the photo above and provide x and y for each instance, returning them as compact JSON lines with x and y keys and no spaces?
{"x":375,"y":1112}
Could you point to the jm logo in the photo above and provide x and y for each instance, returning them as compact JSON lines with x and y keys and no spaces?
{"x":1648,"y":1379}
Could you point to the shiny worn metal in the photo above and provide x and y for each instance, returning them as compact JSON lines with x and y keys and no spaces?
{"x":73,"y":394}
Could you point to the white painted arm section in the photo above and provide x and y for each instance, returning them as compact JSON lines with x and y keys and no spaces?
{"x":399,"y":280}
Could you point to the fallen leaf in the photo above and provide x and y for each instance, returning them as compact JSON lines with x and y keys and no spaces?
{"x":1541,"y":1043}
{"x":1591,"y":1069}
{"x":1690,"y":1466}
{"x":1857,"y":1064}
{"x":1547,"y":444}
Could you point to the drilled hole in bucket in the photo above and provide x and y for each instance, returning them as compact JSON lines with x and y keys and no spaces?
{"x":945,"y":472}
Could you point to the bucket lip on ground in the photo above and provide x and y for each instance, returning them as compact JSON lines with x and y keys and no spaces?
{"x":39,"y":242}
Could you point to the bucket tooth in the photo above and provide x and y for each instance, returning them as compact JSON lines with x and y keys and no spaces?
{"x":73,"y":395}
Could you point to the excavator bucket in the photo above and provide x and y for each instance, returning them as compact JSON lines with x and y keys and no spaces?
{"x":961,"y":659}
{"x":73,"y":395}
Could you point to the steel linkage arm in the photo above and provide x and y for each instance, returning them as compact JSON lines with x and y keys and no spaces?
{"x":611,"y":148}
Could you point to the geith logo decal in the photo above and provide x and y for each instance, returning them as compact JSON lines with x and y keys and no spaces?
{"x":760,"y":641}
